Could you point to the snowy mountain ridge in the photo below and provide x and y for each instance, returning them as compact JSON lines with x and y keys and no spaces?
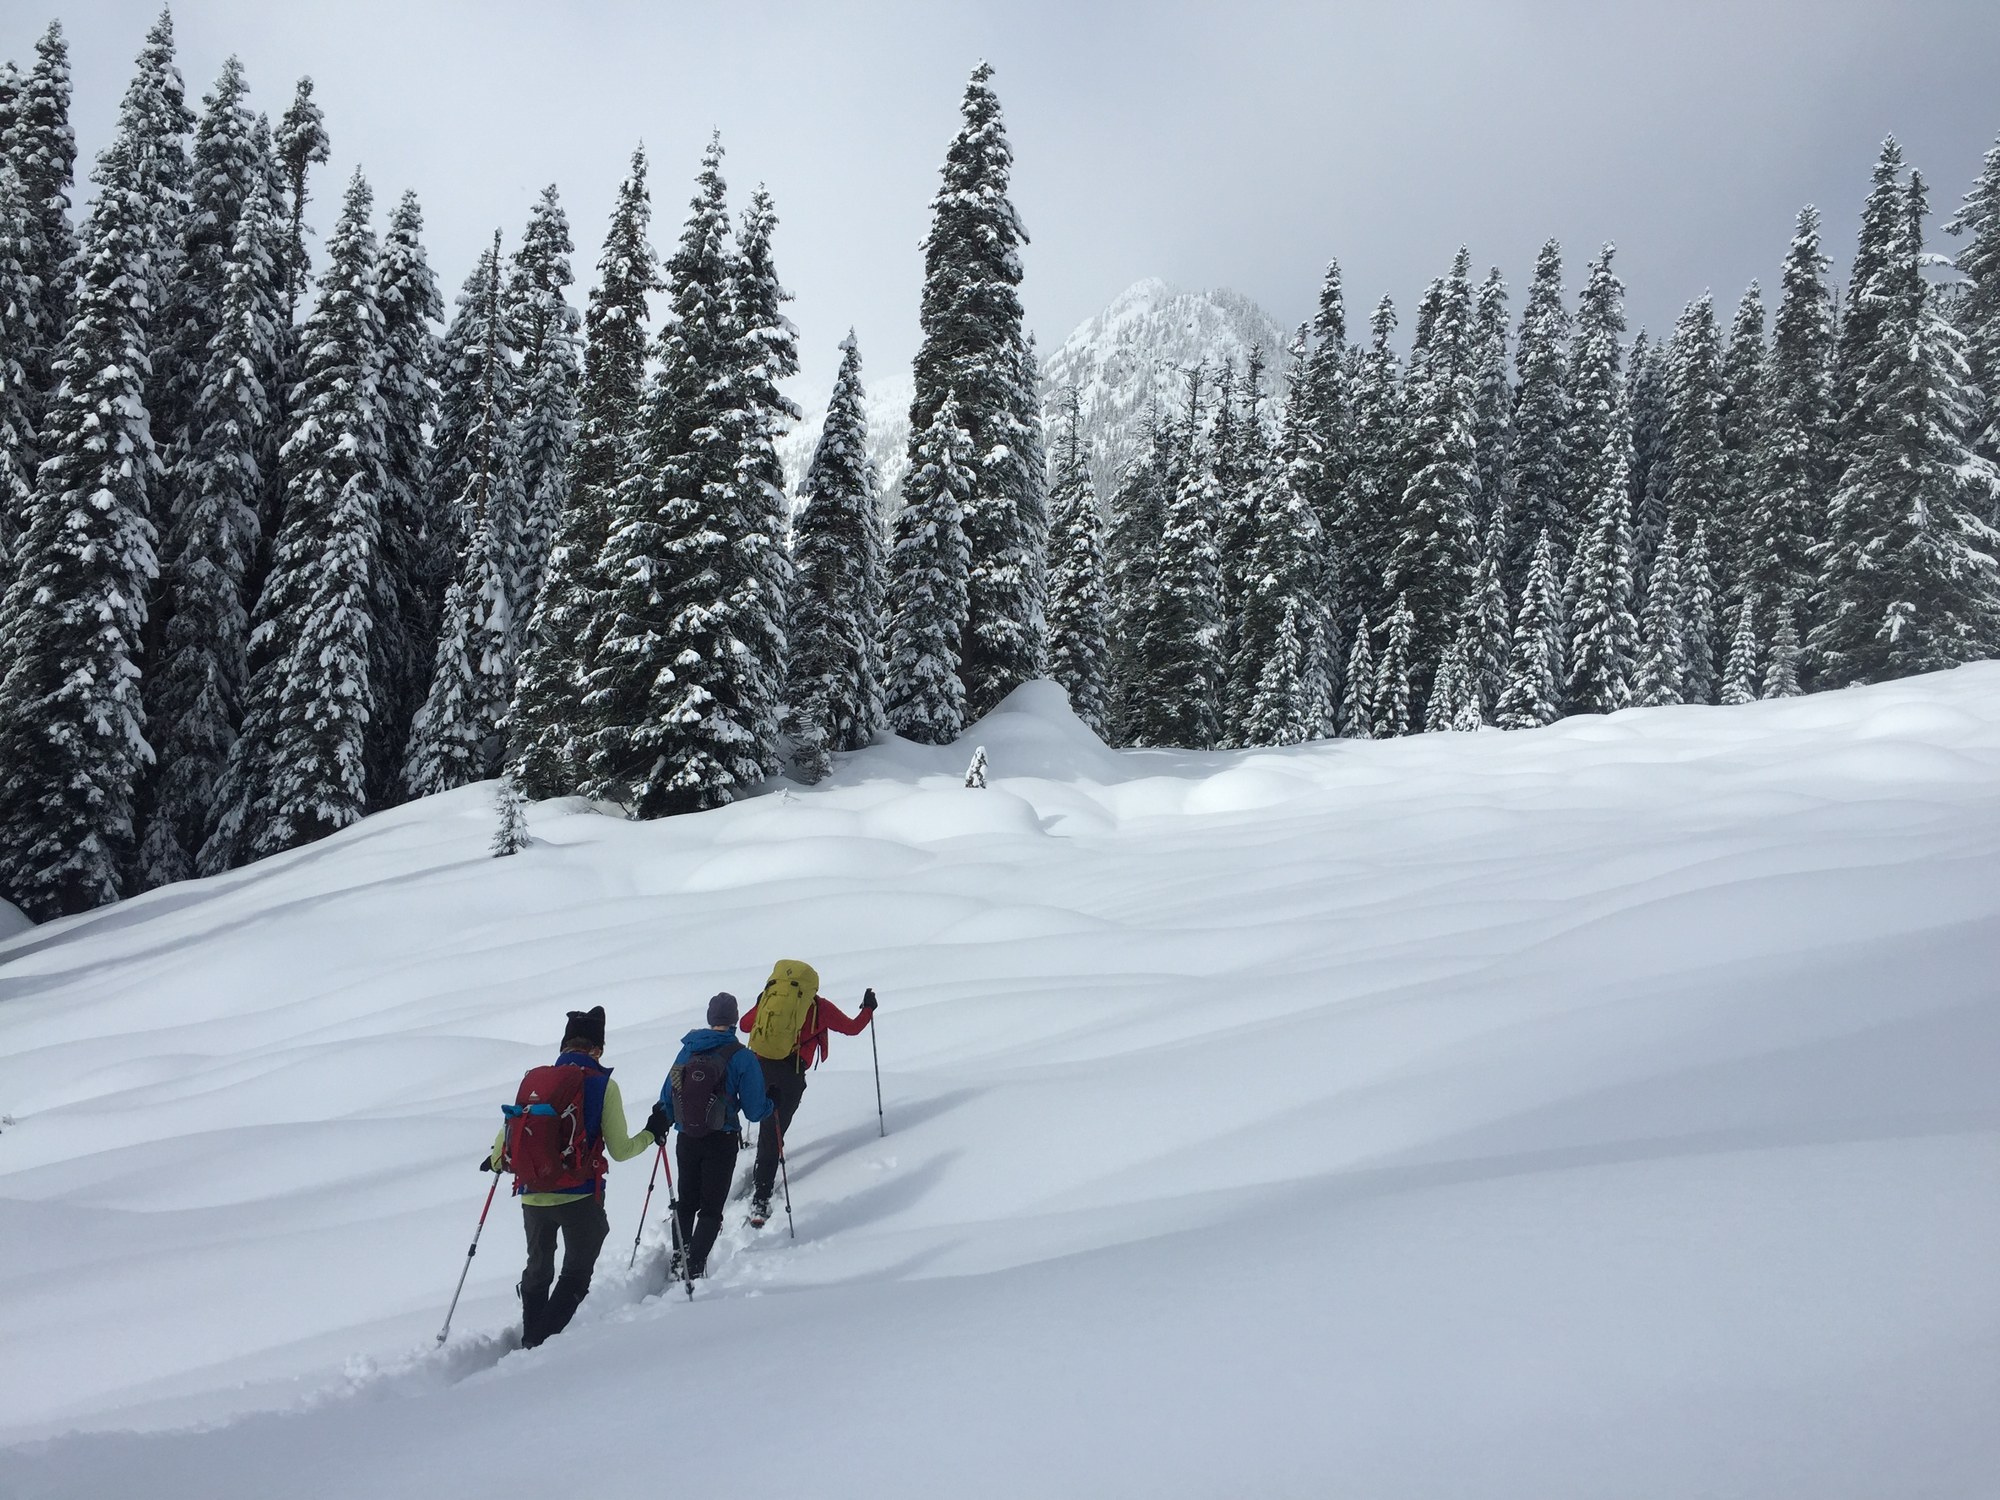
{"x":1122,"y":361}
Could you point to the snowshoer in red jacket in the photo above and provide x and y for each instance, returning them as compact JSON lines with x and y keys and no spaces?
{"x":563,"y":1121}
{"x":788,"y":1028}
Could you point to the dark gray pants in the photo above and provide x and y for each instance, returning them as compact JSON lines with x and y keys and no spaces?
{"x":583,"y":1226}
{"x":786,"y":1085}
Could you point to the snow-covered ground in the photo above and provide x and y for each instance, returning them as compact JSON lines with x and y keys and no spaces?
{"x":1608,"y":1110}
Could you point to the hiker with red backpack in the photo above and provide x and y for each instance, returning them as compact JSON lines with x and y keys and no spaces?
{"x":714,"y":1078}
{"x":564,"y":1119}
{"x":788,"y":1028}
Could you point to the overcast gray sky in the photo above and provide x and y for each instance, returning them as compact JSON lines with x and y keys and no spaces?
{"x":1212,"y":144}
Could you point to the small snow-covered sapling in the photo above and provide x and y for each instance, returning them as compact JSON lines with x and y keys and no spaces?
{"x":975,"y":774}
{"x":511,"y":836}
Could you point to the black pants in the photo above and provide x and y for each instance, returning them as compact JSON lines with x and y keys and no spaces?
{"x":708,"y":1166}
{"x":785,"y":1082}
{"x":583,"y":1226}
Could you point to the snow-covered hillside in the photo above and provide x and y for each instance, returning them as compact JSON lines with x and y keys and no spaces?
{"x":1130,"y":355}
{"x":1601,"y":1110}
{"x":1136,"y":353}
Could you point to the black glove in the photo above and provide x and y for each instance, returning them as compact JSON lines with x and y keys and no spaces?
{"x":658,"y":1123}
{"x":867,"y":1001}
{"x":486,"y":1163}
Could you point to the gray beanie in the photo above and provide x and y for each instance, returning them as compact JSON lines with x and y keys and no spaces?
{"x":722,"y":1009}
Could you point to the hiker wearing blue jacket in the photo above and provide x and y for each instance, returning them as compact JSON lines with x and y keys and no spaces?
{"x":713,"y":1080}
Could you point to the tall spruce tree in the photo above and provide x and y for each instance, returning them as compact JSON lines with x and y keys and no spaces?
{"x":72,"y":724}
{"x":1781,"y":666}
{"x":42,"y":149}
{"x":298,"y":769}
{"x":550,"y":732}
{"x":1541,"y":423}
{"x":1701,"y":621}
{"x":1533,"y":695}
{"x":1436,"y":548}
{"x":1908,"y":581}
{"x":1487,"y":628}
{"x":1652,"y":458}
{"x":1662,"y":675}
{"x":1357,"y":698}
{"x":683,"y":683}
{"x":196,"y":696}
{"x":403,"y":644}
{"x":927,"y":585}
{"x":762,"y":355}
{"x":1138,"y":521}
{"x":1392,"y":696}
{"x":1493,"y":411}
{"x":1695,"y":486}
{"x":1978,"y":220}
{"x":1603,"y":633}
{"x":20,"y":304}
{"x":1740,"y":680}
{"x":1182,"y":650}
{"x":1365,"y":532}
{"x":973,"y":346}
{"x":1740,"y":421}
{"x":458,"y":735}
{"x":542,"y":330}
{"x":1789,"y":480}
{"x":1079,"y":592}
{"x":1287,"y":639}
{"x":1321,"y":450}
{"x":835,"y":683}
{"x":302,"y":144}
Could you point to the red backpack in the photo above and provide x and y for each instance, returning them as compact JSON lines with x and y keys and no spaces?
{"x":549,"y":1145}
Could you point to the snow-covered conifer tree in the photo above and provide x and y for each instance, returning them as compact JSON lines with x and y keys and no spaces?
{"x":1781,"y":665}
{"x":835,"y":685}
{"x":1739,"y":681}
{"x":1541,"y":423}
{"x":1079,"y":595}
{"x":1978,"y":220}
{"x":542,"y":330}
{"x":72,"y":724}
{"x":550,"y":733}
{"x":1533,"y":695}
{"x":41,"y":146}
{"x":1662,"y":676}
{"x":1138,"y":519}
{"x":1789,"y":480}
{"x":1357,"y":701}
{"x":1182,"y":705}
{"x":1603,"y":633}
{"x":1652,"y":465}
{"x":1488,"y":630}
{"x":1696,"y":480}
{"x":20,"y":304}
{"x":302,"y":144}
{"x":1435,"y":551}
{"x":458,"y":735}
{"x":927,"y":585}
{"x":1286,"y":643}
{"x":1493,"y":411}
{"x":974,"y":348}
{"x":297,"y":771}
{"x":1740,"y":420}
{"x":403,"y":644}
{"x":1320,"y":444}
{"x":195,"y":697}
{"x":1908,"y":580}
{"x":1701,"y":622}
{"x":510,"y":835}
{"x":1392,"y":673}
{"x":975,"y":774}
{"x":1365,"y":531}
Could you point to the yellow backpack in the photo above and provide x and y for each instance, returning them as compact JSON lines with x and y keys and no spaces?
{"x":782,"y":1009}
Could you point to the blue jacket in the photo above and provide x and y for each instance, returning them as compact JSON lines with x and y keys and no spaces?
{"x":746,"y":1077}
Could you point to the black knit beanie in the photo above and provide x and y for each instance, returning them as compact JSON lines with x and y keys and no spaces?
{"x":586,"y":1026}
{"x":722,"y":1009}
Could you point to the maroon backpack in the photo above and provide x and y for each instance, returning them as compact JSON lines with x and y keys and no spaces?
{"x":549,"y":1145}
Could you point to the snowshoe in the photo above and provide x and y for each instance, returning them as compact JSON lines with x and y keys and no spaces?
{"x":760,"y":1212}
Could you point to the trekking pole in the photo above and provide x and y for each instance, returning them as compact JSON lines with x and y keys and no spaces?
{"x":881,"y":1125}
{"x":674,"y":1217}
{"x":646,"y":1207}
{"x":785,"y":1177}
{"x":474,"y":1250}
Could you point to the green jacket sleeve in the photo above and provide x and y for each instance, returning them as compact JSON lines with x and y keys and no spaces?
{"x":622,"y":1145}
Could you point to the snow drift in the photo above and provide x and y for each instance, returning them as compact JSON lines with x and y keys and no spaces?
{"x":1607,"y":1109}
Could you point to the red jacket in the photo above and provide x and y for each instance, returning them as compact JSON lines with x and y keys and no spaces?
{"x":824,"y":1016}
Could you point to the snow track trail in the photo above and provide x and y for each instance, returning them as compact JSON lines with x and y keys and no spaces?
{"x":1602,"y":1110}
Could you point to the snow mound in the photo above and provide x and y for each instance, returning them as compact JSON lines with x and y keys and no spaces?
{"x":1599,"y":1110}
{"x":12,"y":920}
